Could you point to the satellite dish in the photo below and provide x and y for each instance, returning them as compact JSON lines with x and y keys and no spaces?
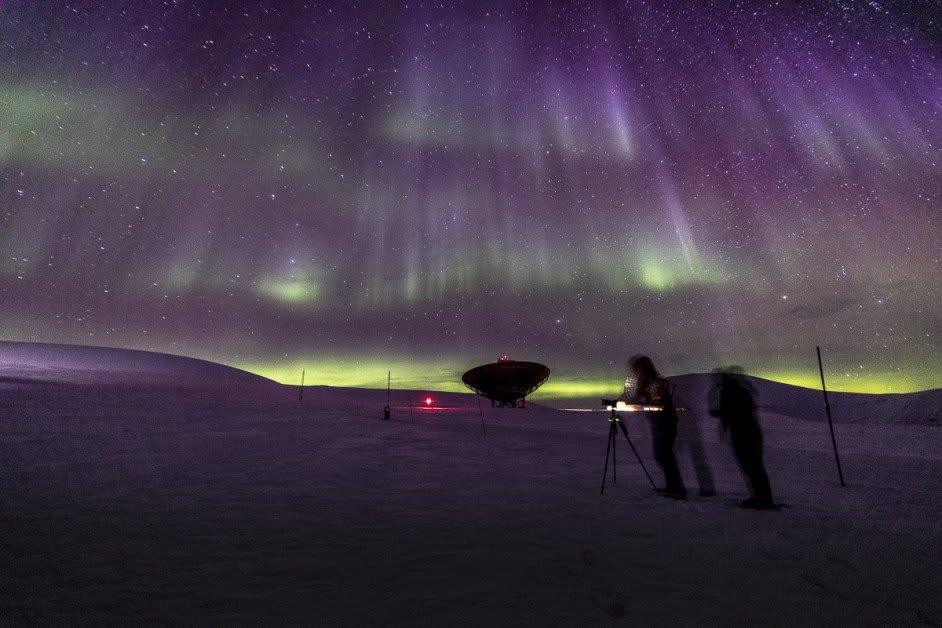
{"x":506,"y":382}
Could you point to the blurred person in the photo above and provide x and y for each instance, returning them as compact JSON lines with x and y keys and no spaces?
{"x":732,"y":400}
{"x":645,"y":387}
{"x":689,"y":439}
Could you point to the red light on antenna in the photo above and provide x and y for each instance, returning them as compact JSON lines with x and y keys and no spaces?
{"x":429,"y":401}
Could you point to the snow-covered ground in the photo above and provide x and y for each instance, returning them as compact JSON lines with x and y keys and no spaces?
{"x":125,"y":501}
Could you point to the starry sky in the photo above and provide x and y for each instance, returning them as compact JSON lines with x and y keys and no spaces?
{"x":356,"y":187}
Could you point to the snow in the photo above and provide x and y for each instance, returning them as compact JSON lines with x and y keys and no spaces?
{"x":125,"y":501}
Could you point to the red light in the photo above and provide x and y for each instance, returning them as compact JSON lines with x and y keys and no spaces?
{"x":428,"y":401}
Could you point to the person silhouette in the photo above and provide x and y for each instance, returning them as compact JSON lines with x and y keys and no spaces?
{"x":732,"y":400}
{"x":690,"y":440}
{"x":644,"y":386}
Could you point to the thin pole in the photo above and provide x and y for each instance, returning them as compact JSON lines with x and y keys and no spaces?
{"x":827,"y":408}
{"x":481,"y":412}
{"x":301,"y":389}
{"x":614,"y":458}
{"x":386,"y":407}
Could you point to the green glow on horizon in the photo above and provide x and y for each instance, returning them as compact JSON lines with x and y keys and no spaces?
{"x":563,"y":388}
{"x":913,"y":380}
{"x":364,"y":372}
{"x":445,"y":375}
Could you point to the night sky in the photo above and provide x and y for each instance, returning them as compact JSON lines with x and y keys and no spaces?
{"x":421,"y":187}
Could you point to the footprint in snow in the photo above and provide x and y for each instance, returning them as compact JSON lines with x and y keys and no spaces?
{"x":609,"y":603}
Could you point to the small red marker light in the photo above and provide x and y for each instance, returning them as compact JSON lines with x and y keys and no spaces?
{"x":428,"y":401}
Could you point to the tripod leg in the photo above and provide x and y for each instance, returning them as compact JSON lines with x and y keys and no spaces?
{"x":608,"y":448}
{"x":614,"y":459}
{"x":643,"y":468}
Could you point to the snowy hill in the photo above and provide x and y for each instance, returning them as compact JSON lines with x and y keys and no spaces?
{"x":921,"y":408}
{"x":78,"y":364}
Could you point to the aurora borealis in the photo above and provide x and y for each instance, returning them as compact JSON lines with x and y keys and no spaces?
{"x":421,"y":187}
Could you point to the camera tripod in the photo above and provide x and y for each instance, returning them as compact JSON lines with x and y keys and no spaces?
{"x":616,"y":420}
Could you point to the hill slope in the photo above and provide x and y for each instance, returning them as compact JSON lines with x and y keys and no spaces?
{"x":921,"y":408}
{"x":79,"y":364}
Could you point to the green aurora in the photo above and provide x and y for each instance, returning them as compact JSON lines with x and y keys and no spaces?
{"x":249,"y":203}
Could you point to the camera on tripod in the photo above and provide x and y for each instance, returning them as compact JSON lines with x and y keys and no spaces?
{"x":620,"y":405}
{"x":616,"y":423}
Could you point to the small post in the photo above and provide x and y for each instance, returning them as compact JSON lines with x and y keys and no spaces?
{"x":301,"y":389}
{"x":386,"y":407}
{"x":481,"y":412}
{"x":827,"y":409}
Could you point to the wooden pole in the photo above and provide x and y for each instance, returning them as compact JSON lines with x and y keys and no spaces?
{"x":301,"y":389}
{"x":481,"y":412}
{"x":827,"y":409}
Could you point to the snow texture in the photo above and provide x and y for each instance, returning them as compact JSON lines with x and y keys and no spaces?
{"x":128,"y":498}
